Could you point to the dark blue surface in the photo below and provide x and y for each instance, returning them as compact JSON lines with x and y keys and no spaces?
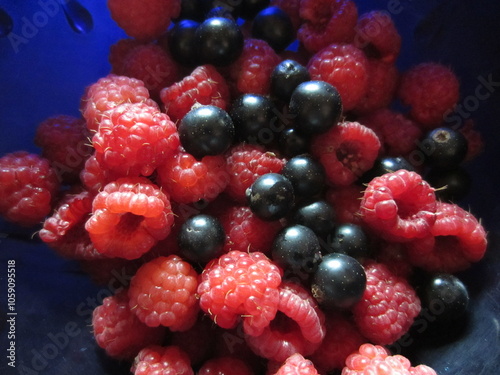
{"x":46,"y":73}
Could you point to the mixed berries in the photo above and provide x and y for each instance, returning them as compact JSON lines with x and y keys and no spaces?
{"x":271,"y":201}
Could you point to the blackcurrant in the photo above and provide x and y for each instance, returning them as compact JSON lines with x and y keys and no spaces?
{"x":201,"y":238}
{"x":249,"y":8}
{"x":386,"y":164}
{"x":444,"y":148}
{"x":286,"y":76}
{"x":317,"y":215}
{"x":274,"y":26}
{"x":306,"y":174}
{"x":182,"y":42}
{"x":349,"y":239}
{"x":191,"y":9}
{"x":292,"y":143}
{"x":451,"y":184}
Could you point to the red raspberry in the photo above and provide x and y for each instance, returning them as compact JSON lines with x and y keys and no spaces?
{"x":95,"y":176}
{"x":28,"y":185}
{"x":65,"y":142}
{"x":346,"y":201}
{"x":291,"y":8}
{"x":377,"y":36}
{"x":394,"y":256}
{"x":383,"y":81}
{"x":224,"y":366}
{"x":251,"y":72}
{"x":475,"y":143}
{"x":326,"y":22}
{"x":296,"y":364}
{"x":342,"y":338}
{"x":156,"y":360}
{"x":431,"y":90}
{"x":388,"y":306}
{"x":134,"y":139}
{"x":246,"y":163}
{"x":162,"y":292}
{"x":375,"y":360}
{"x":118,"y":53}
{"x":204,"y":86}
{"x":345,"y":67}
{"x":398,"y":134}
{"x":240,"y":283}
{"x":118,"y":330}
{"x":457,"y":239}
{"x":129,"y":217}
{"x":108,"y":93}
{"x":144,"y":19}
{"x":346,"y":151}
{"x":188,"y":180}
{"x":399,"y":206}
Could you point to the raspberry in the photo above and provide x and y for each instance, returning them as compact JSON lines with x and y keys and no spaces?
{"x":388,"y":307}
{"x":457,"y":239}
{"x":129,"y":217}
{"x":144,"y":19}
{"x":296,"y":364}
{"x":224,"y":366}
{"x":377,"y":36}
{"x":346,"y":151}
{"x":240,"y":283}
{"x":95,"y":176}
{"x":297,"y":328}
{"x":247,"y":232}
{"x":400,"y":206}
{"x":398,"y":134}
{"x":118,"y":331}
{"x":119,"y":51}
{"x":431,"y":90}
{"x":375,"y":360}
{"x":342,"y":338}
{"x":347,"y":202}
{"x":251,"y":72}
{"x":475,"y":143}
{"x":153,"y":360}
{"x":203,"y":86}
{"x":109,"y":92}
{"x":28,"y":186}
{"x":134,"y":139}
{"x":245,"y":163}
{"x":64,"y":141}
{"x":345,"y":67}
{"x":188,"y":180}
{"x":326,"y":22}
{"x":162,"y":292}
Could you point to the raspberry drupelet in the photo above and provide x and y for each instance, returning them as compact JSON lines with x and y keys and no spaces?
{"x":129,"y":216}
{"x":164,"y":360}
{"x":296,"y":364}
{"x":119,"y":51}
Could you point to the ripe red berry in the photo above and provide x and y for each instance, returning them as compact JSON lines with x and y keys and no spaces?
{"x":155,"y":359}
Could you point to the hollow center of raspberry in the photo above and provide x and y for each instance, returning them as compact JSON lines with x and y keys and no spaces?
{"x":283,"y":324}
{"x":129,"y":222}
{"x":348,"y":155}
{"x":406,"y":208}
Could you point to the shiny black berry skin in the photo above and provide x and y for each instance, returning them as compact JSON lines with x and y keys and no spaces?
{"x":444,"y":148}
{"x":297,"y":249}
{"x":201,"y":238}
{"x":206,"y":130}
{"x":317,"y":215}
{"x":182,"y":42}
{"x":317,"y":107}
{"x":254,"y":118}
{"x":285,"y":78}
{"x":219,"y":41}
{"x":386,"y":164}
{"x":250,"y":8}
{"x":292,"y":143}
{"x":349,"y":239}
{"x":275,"y":27}
{"x":339,"y":281}
{"x":451,"y":185}
{"x":306,"y":174}
{"x":271,"y":196}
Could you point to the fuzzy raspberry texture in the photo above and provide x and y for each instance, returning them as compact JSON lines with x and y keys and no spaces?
{"x":377,"y":36}
{"x":28,"y":185}
{"x":224,"y":366}
{"x":388,"y":306}
{"x":95,"y":175}
{"x":65,"y":142}
{"x":346,"y":151}
{"x":345,"y":67}
{"x":162,"y":292}
{"x":347,"y":202}
{"x":376,"y":360}
{"x":109,"y":92}
{"x":133,"y":139}
{"x":246,"y":163}
{"x":251,"y":72}
{"x":204,"y":86}
{"x":241,"y":284}
{"x":457,"y":239}
{"x":129,"y":216}
{"x":189,"y":180}
{"x":298,"y":326}
{"x":156,"y":360}
{"x":431,"y":90}
{"x":118,"y":330}
{"x":398,"y":134}
{"x":326,"y":22}
{"x":399,"y":206}
{"x":296,"y":364}
{"x":119,"y":51}
{"x":144,"y":20}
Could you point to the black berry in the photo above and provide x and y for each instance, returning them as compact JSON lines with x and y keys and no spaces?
{"x":349,"y":239}
{"x":451,"y":184}
{"x":191,"y":9}
{"x":387,"y":164}
{"x":318,"y":215}
{"x":285,"y":78}
{"x":182,"y":42}
{"x":292,"y":143}
{"x":274,"y":26}
{"x":250,"y":8}
{"x":201,"y":238}
{"x":306,"y":174}
{"x":444,"y":148}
